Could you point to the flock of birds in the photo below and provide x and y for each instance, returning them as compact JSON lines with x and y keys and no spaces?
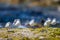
{"x":17,"y":23}
{"x":49,"y":21}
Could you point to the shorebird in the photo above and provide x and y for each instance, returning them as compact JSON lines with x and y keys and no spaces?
{"x":31,"y":23}
{"x":17,"y":22}
{"x":8,"y":24}
{"x":53,"y":21}
{"x":47,"y":22}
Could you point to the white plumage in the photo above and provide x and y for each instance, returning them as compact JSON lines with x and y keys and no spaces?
{"x":8,"y":24}
{"x":53,"y":21}
{"x":17,"y":22}
{"x":47,"y":22}
{"x":31,"y":22}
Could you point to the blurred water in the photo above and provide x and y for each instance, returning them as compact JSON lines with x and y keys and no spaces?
{"x":8,"y":14}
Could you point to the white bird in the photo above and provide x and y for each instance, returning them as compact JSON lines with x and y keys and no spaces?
{"x":31,"y":22}
{"x":47,"y":22}
{"x":53,"y":21}
{"x":8,"y":24}
{"x":16,"y":22}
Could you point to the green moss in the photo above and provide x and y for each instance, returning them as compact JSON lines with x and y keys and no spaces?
{"x":51,"y":34}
